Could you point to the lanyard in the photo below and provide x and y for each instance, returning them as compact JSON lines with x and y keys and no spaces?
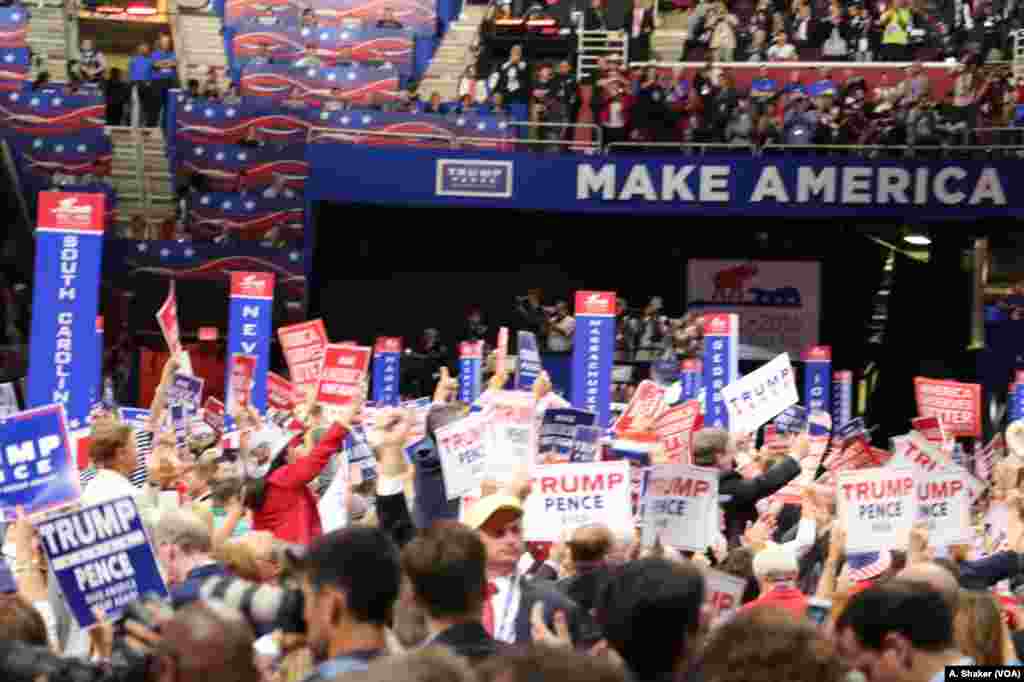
{"x":504,"y":629}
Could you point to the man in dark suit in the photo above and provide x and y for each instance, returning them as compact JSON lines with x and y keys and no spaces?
{"x":447,"y":567}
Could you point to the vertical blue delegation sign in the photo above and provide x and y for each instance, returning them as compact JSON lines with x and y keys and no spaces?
{"x":593,"y":352}
{"x":818,"y":378}
{"x":65,"y":301}
{"x":721,"y":364}
{"x":387,"y":355}
{"x":249,"y":322}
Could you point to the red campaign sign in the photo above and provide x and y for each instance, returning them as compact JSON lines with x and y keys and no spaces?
{"x":675,"y":429}
{"x":208,"y":333}
{"x":252,"y":285}
{"x":931,"y":429}
{"x":213,"y":414}
{"x":280,"y":392}
{"x":637,"y":422}
{"x":167,"y":318}
{"x":303,"y":348}
{"x":958,"y":405}
{"x":243,"y":369}
{"x":600,"y":303}
{"x":388,"y":344}
{"x":344,"y":370}
{"x":71,"y":211}
{"x":502,"y":351}
{"x":818,"y":354}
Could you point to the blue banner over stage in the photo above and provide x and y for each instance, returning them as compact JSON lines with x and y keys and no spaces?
{"x":593,"y":353}
{"x":65,"y":301}
{"x":842,"y":396}
{"x":528,"y":363}
{"x":387,"y":357}
{"x":818,"y":378}
{"x":101,"y":558}
{"x":37,"y":466}
{"x":249,"y":328}
{"x":471,"y":359}
{"x":721,"y":364}
{"x":791,"y":186}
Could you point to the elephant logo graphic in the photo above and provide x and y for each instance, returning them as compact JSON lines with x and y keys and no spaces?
{"x":731,"y":283}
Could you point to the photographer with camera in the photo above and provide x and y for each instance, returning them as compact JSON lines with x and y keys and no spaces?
{"x":531,"y":313}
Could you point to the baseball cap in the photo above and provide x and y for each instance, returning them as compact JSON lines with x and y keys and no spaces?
{"x":487,"y":507}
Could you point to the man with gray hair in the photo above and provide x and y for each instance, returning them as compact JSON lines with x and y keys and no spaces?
{"x":184,"y":544}
{"x":716,"y":449}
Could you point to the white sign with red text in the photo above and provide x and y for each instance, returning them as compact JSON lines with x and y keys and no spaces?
{"x":725,"y":594}
{"x":567,"y":496}
{"x":463,"y":451}
{"x":280,"y":392}
{"x":878,"y":507}
{"x":678,"y":502}
{"x":761,"y":395}
{"x":343,"y":373}
{"x":944,"y":505}
{"x":511,"y":433}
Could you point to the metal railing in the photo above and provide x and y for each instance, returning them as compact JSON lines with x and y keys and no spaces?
{"x":453,"y":140}
{"x":700,"y":147}
{"x":565,"y":127}
{"x":355,"y":136}
{"x":905,"y":150}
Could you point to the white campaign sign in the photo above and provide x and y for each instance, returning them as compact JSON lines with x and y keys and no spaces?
{"x":677,"y":502}
{"x":461,"y":445}
{"x":567,"y":496}
{"x":944,"y":505}
{"x":333,"y":506}
{"x":725,"y":594}
{"x":761,"y":395}
{"x":511,"y":434}
{"x":777,"y":301}
{"x":878,"y":506}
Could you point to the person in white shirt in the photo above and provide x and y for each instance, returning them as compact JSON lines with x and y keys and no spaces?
{"x":561,"y":328}
{"x":782,"y":50}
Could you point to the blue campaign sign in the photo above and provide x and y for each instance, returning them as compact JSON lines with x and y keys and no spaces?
{"x":854,"y":428}
{"x":559,"y":430}
{"x":790,"y":186}
{"x":1017,"y":404}
{"x":137,"y":418}
{"x":101,"y":558}
{"x":65,"y":301}
{"x":793,"y":420}
{"x":387,"y":354}
{"x":37,"y":467}
{"x":587,"y":447}
{"x":249,"y":327}
{"x":721,"y":365}
{"x":528,"y":365}
{"x":818,"y":378}
{"x":842,"y":397}
{"x":471,"y":358}
{"x":691,"y":377}
{"x":593,"y":353}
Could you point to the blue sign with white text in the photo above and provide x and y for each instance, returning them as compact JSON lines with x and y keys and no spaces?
{"x":593,"y":353}
{"x":387,"y":357}
{"x":528,"y":364}
{"x":721,"y":365}
{"x":789,"y":186}
{"x":559,"y":430}
{"x":818,"y":378}
{"x":101,"y":558}
{"x":1017,"y":405}
{"x":137,"y":418}
{"x":471,"y":357}
{"x":842,"y":397}
{"x":38,"y":470}
{"x":65,"y":302}
{"x":250,"y":314}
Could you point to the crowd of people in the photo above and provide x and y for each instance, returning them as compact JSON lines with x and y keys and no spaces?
{"x":416,"y":588}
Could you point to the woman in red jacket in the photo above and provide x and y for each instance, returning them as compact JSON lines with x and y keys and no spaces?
{"x":281,"y":501}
